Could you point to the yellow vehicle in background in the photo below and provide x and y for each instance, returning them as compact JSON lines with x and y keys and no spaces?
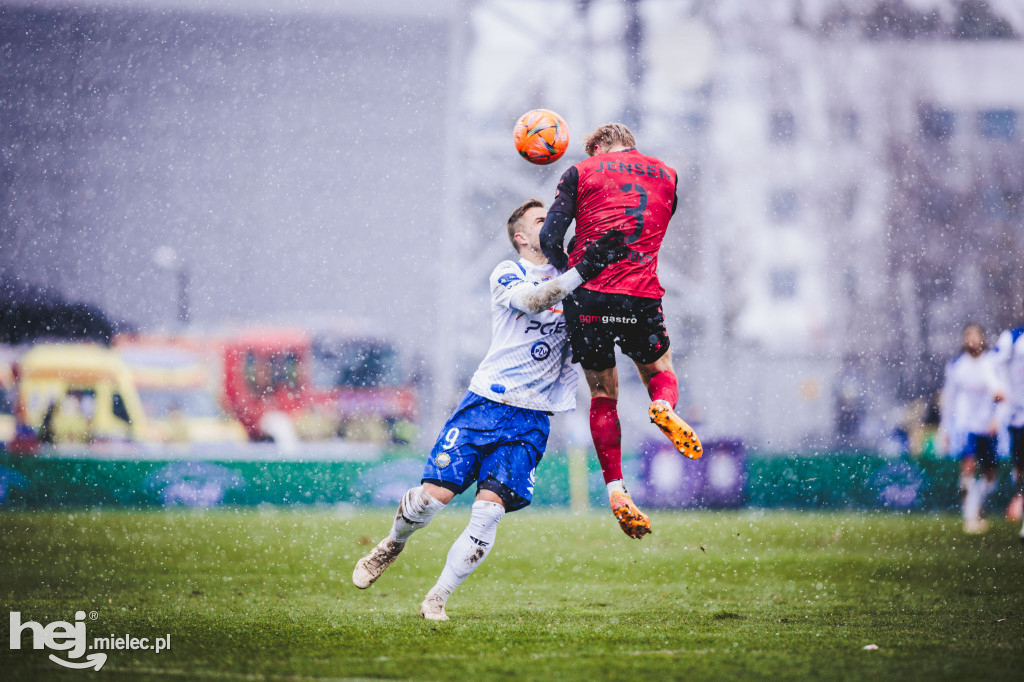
{"x":78,"y":393}
{"x":176,"y":394}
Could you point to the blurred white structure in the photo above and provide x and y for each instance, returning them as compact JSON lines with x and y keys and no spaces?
{"x":793,"y":304}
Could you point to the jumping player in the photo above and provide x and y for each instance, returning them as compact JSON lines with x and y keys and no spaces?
{"x":1010,"y":359}
{"x":498,"y":433}
{"x":970,"y":423}
{"x":618,"y":189}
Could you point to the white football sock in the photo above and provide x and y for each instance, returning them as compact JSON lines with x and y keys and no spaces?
{"x":617,"y":484}
{"x":415,"y":510}
{"x":977,"y":491}
{"x":987,"y":488}
{"x":470,"y":548}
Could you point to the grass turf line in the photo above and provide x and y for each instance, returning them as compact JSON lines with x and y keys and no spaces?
{"x":266,"y":594}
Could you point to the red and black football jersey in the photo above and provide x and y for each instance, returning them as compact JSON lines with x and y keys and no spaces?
{"x":627,"y":191}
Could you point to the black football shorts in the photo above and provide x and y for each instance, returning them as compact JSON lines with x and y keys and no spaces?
{"x":597,"y":322}
{"x":1017,"y":446}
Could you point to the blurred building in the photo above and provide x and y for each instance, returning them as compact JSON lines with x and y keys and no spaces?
{"x":863,"y":179}
{"x":224,"y":162}
{"x":849,"y":186}
{"x":851,"y":177}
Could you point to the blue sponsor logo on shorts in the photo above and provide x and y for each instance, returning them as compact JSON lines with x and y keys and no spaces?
{"x":540,"y":350}
{"x":497,"y":388}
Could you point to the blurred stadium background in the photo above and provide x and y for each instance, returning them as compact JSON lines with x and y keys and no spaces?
{"x":280,"y":217}
{"x":244,"y":248}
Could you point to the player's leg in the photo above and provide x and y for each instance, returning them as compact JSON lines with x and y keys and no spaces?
{"x":506,"y":484}
{"x":604,"y":420}
{"x":662,"y":385}
{"x":451,"y":466}
{"x":415,"y":510}
{"x":1015,"y":511}
{"x":606,"y":431}
{"x":972,"y":485}
{"x":592,"y":337}
{"x":466,"y":553}
{"x":988,"y":464}
{"x":644,"y":339}
{"x":1018,"y":499}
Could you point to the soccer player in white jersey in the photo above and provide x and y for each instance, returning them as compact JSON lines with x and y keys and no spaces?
{"x":1010,"y":359}
{"x":970,"y":422}
{"x":497,"y":435}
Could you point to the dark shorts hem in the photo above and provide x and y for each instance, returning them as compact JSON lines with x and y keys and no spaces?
{"x":510,"y":498}
{"x":447,"y":485}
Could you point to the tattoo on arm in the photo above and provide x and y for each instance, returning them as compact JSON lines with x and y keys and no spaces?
{"x":543,"y":297}
{"x":536,"y":299}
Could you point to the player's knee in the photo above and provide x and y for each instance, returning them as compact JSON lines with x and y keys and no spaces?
{"x":484,"y":495}
{"x":442,"y":495}
{"x":603,"y":385}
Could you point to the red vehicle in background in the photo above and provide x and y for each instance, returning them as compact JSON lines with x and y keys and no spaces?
{"x":318,"y":386}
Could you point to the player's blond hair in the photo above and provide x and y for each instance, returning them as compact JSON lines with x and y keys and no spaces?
{"x":515,"y":221}
{"x":608,"y":135}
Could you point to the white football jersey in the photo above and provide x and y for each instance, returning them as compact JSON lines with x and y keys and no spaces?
{"x":528,"y":364}
{"x":968,"y":403}
{"x":1010,"y":356}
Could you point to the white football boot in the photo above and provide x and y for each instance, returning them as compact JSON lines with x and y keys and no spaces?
{"x":432,"y":607}
{"x":372,"y":566}
{"x":975,"y":526}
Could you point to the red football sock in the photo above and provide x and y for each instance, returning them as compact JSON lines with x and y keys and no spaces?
{"x":607,"y":434}
{"x":664,"y":386}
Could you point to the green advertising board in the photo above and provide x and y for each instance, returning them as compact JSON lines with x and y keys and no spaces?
{"x":757,"y":480}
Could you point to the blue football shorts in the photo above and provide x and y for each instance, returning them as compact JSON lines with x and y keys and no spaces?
{"x":983,"y":448}
{"x":495,"y":444}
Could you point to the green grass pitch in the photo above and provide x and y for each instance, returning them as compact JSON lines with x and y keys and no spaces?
{"x":265,"y":595}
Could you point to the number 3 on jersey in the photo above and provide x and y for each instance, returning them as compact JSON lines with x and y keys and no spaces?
{"x":637,"y":212}
{"x":450,"y":438}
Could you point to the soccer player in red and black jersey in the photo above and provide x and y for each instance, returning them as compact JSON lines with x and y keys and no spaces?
{"x":618,"y":188}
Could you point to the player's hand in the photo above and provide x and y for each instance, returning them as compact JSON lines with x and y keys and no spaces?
{"x":610,"y":248}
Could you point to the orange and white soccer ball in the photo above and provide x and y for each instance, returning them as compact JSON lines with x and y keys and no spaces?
{"x":541,"y":136}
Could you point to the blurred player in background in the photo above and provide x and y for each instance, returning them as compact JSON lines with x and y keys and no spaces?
{"x":618,"y":189}
{"x":970,"y":422}
{"x":1010,"y":359}
{"x":497,"y":435}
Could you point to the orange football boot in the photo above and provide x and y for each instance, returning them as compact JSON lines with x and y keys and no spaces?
{"x":633,"y":522}
{"x":678,"y":431}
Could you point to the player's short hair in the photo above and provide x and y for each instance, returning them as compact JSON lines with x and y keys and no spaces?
{"x":515,"y":221}
{"x":608,"y":135}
